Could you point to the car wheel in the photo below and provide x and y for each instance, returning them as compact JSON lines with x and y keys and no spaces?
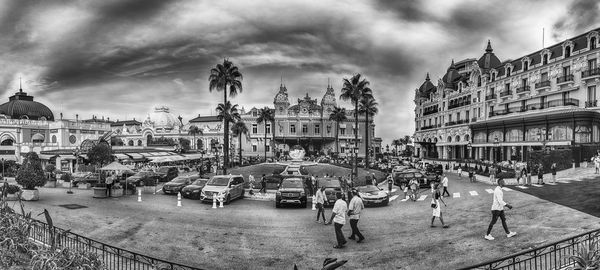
{"x":228,"y":200}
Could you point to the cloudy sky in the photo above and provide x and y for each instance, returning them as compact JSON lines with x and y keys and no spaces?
{"x":120,"y":58}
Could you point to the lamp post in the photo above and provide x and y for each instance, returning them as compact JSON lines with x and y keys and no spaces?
{"x":496,"y":143}
{"x":76,"y":155}
{"x":219,"y":147}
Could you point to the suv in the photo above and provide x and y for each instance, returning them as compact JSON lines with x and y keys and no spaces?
{"x":230,"y":186}
{"x":402,"y":178}
{"x":167,"y":173}
{"x":332,"y":186}
{"x":434,"y":168}
{"x":291,"y":190}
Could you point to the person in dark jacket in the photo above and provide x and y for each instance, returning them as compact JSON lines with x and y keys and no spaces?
{"x":540,"y":173}
{"x":263,"y":184}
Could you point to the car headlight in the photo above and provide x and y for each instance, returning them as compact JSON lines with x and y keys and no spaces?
{"x":302,"y":193}
{"x":196,"y":191}
{"x":278,"y":193}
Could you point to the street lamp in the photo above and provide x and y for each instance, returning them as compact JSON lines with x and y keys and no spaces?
{"x":496,"y":143}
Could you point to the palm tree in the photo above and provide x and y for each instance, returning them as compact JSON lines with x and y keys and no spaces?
{"x":266,"y":115}
{"x":354,"y":90}
{"x":239,"y":129}
{"x":227,"y":113}
{"x":338,"y":115}
{"x":225,"y":77}
{"x":396,"y":143}
{"x":194,"y":130}
{"x":405,"y":140}
{"x":368,"y":107}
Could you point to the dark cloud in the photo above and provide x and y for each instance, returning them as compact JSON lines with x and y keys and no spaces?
{"x":406,"y":10}
{"x":581,"y":15}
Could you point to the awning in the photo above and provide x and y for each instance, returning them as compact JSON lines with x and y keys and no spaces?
{"x":8,"y":157}
{"x":121,"y":156}
{"x":44,"y":156}
{"x":135,"y":156}
{"x":67,"y":157}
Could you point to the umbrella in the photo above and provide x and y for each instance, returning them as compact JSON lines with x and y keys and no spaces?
{"x":115,"y":166}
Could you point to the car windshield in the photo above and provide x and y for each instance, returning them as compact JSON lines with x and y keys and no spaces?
{"x":179,"y":180}
{"x":200,"y":182}
{"x":367,"y":189}
{"x":292,"y":184}
{"x":219,"y":181}
{"x":142,"y":174}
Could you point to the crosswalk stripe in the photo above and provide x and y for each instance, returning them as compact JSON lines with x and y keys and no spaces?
{"x":403,"y":200}
{"x":565,"y":182}
{"x":506,"y":189}
{"x":522,"y":187}
{"x":536,"y":185}
{"x":393,"y":197}
{"x":552,"y":184}
{"x":422,"y":198}
{"x":473,"y":193}
{"x":489,"y":191}
{"x":456,"y":195}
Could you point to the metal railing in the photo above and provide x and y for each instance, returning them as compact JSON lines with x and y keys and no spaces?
{"x":551,"y":256}
{"x":590,"y":72}
{"x":112,"y":257}
{"x":490,"y":97}
{"x":542,"y":84}
{"x":523,"y":89}
{"x":591,"y":103}
{"x":564,"y":78}
{"x":505,"y":93}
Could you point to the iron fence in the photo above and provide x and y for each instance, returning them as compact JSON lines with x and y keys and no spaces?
{"x":547,"y":257}
{"x":112,"y":257}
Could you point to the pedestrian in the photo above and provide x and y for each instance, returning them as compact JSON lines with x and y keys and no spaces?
{"x":437,"y":208}
{"x":373,"y":180}
{"x":493,"y":174}
{"x":338,"y":217}
{"x":540,"y":174}
{"x":354,"y":209}
{"x":390,"y":183}
{"x":553,"y":170}
{"x":498,"y":205}
{"x":109,"y":183}
{"x":320,"y":199}
{"x":263,"y":184}
{"x":445,"y":185}
{"x":523,"y":175}
{"x":309,"y":184}
{"x":459,"y":171}
{"x":472,"y":176}
{"x":251,"y":181}
{"x":596,"y":160}
{"x":414,"y":185}
{"x":314,"y":183}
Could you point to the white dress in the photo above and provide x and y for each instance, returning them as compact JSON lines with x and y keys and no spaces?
{"x":437,"y":211}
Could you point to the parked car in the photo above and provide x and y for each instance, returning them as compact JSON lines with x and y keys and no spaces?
{"x":372,"y":195}
{"x":174,"y":186}
{"x":142,"y":177}
{"x":167,"y":173}
{"x":193,"y":190}
{"x":292,"y":190}
{"x":332,"y":186}
{"x":230,"y":186}
{"x":402,"y":178}
{"x":435,"y":168}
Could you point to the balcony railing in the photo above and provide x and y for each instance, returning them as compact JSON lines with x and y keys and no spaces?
{"x":458,"y":122}
{"x":523,"y":89}
{"x":505,"y":93}
{"x":563,"y":102}
{"x":474,"y":119}
{"x":542,"y":84}
{"x":432,"y":111}
{"x":490,"y":97}
{"x":590,"y":72}
{"x":565,"y":78}
{"x":538,"y":106}
{"x":591,"y":103}
{"x":459,"y":104}
{"x":428,"y":127}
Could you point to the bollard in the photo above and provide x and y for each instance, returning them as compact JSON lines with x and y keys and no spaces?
{"x":214,"y":202}
{"x":222,"y":198}
{"x":179,"y":199}
{"x":314,"y":203}
{"x":139,"y":195}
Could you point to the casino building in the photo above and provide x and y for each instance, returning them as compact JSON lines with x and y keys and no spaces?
{"x":497,"y":110}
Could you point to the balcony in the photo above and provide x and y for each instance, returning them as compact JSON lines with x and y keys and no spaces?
{"x":505,"y":93}
{"x":490,"y":97}
{"x":459,"y":104}
{"x":428,"y":127}
{"x":590,"y":72}
{"x":430,"y":111}
{"x":474,"y":119}
{"x":458,"y":122}
{"x":564,"y":79}
{"x":562,"y":102}
{"x":523,"y":89}
{"x":591,"y":103}
{"x":542,"y":84}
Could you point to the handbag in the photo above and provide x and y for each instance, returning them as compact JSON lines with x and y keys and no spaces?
{"x":433,"y":204}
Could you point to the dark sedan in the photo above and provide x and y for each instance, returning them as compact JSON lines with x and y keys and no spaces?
{"x":291,"y":191}
{"x":143,"y":178}
{"x":178,"y":183}
{"x":193,"y":190}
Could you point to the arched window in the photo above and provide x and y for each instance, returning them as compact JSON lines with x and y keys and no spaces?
{"x":493,"y":76}
{"x":545,"y":59}
{"x":592,"y":43}
{"x":149,"y":139}
{"x":37,"y":138}
{"x":139,"y":142}
{"x":53,"y":138}
{"x":24,"y":116}
{"x":567,"y":51}
{"x":449,"y":139}
{"x":508,"y":70}
{"x":130,"y":143}
{"x":7,"y":142}
{"x":525,"y":65}
{"x":479,"y":80}
{"x":457,"y":138}
{"x":43,"y":118}
{"x":467,"y":138}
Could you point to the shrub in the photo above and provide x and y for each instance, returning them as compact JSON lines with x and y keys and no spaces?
{"x":31,"y":175}
{"x":66,"y":258}
{"x":506,"y":174}
{"x":50,"y":168}
{"x":66,"y":177}
{"x":13,"y":189}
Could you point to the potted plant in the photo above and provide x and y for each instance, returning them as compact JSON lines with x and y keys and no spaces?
{"x":14,"y":192}
{"x":49,"y":171}
{"x":117,"y":190}
{"x":66,"y":178}
{"x":30,"y":176}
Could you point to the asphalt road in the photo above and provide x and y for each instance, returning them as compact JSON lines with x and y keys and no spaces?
{"x":251,"y":234}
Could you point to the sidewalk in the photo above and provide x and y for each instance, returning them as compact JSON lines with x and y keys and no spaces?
{"x":580,"y":173}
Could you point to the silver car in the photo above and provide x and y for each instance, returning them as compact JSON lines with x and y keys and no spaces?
{"x":229,"y":187}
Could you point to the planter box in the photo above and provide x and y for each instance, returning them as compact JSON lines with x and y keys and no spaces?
{"x":117,"y":192}
{"x":66,"y":184}
{"x":30,"y":195}
{"x":84,"y":185}
{"x":60,"y":182}
{"x":12,"y":197}
{"x":50,"y":184}
{"x":99,"y":192}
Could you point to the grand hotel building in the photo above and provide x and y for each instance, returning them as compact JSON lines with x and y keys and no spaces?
{"x":496,"y":110}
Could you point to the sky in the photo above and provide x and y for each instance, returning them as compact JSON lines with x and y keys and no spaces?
{"x":121,"y":58}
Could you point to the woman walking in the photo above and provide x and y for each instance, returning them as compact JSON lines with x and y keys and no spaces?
{"x":553,"y":170}
{"x":540,"y":174}
{"x":437,"y":208}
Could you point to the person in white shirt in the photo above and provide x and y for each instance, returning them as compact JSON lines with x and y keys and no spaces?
{"x":459,"y":171}
{"x":320,"y":198}
{"x":498,"y":205}
{"x":354,"y":209}
{"x":338,"y":216}
{"x":445,"y":185}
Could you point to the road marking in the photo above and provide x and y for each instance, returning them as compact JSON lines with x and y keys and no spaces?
{"x":422,"y":198}
{"x":473,"y":193}
{"x":577,"y":179}
{"x":403,"y":200}
{"x":393,"y":197}
{"x":536,"y":185}
{"x":552,"y":184}
{"x":490,"y":191}
{"x":522,"y":187}
{"x":506,"y":189}
{"x":565,"y":182}
{"x":456,"y":195}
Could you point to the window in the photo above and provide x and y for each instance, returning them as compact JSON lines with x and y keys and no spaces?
{"x":507,"y":87}
{"x":592,"y":43}
{"x":567,"y":51}
{"x":544,"y":76}
{"x":292,"y":128}
{"x":254,"y":129}
{"x":267,"y":148}
{"x":591,"y":93}
{"x":491,"y":108}
{"x":53,"y":138}
{"x":458,"y":116}
{"x":525,"y":65}
{"x":478,"y":112}
{"x":254,"y":148}
{"x":524,"y":83}
{"x":493,"y":76}
{"x":450,"y":118}
{"x":566,"y":70}
{"x":478,"y":96}
{"x":268,"y":127}
{"x":328,"y":128}
{"x":430,"y":122}
{"x":592,"y":64}
{"x":304,"y":128}
{"x":342,"y":149}
{"x":467,"y":115}
{"x":443,"y":105}
{"x":492,"y":90}
{"x":545,"y":59}
{"x":72,"y":139}
{"x":254,"y":113}
{"x":479,"y":80}
{"x":342,"y":131}
{"x":436,"y":121}
{"x":317,"y":129}
{"x":508,"y":72}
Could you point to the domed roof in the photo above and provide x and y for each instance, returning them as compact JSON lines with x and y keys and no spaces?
{"x":329,"y":97}
{"x":22,"y":106}
{"x":488,"y":60}
{"x":451,"y":77}
{"x":162,"y":118}
{"x":282,"y":95}
{"x":427,"y":88}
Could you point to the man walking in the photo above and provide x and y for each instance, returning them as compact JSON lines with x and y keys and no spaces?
{"x":320,"y":199}
{"x":445,"y":185}
{"x":354,"y":209}
{"x":390,"y":181}
{"x":109,"y":182}
{"x":498,"y":205}
{"x":338,"y":216}
{"x":263,"y":184}
{"x":553,"y":170}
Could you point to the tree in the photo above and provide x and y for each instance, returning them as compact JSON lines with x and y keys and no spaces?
{"x":100,"y":154}
{"x":396,"y":143}
{"x":31,"y":174}
{"x":368,"y":107}
{"x":266,"y":115}
{"x":184,"y":145}
{"x":354,"y":90}
{"x":194,"y":130}
{"x":229,"y":113}
{"x":238,"y":129}
{"x":225,"y":77}
{"x":338,"y":115}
